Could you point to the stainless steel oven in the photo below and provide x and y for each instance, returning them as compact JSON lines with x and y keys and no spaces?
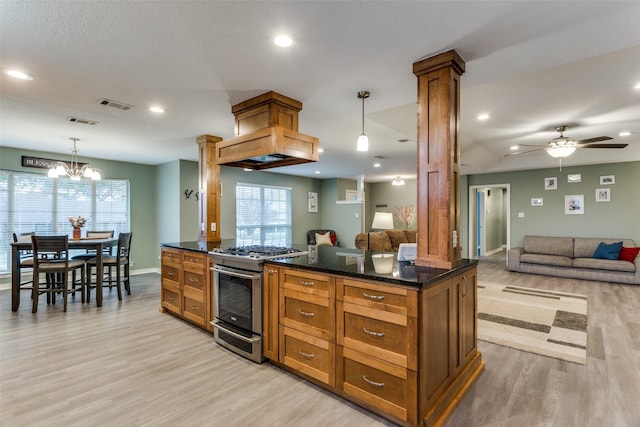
{"x":238,"y":310}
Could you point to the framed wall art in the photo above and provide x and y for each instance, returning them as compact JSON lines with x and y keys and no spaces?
{"x":312,"y":201}
{"x":536,"y":201}
{"x":603,"y":194}
{"x":551,"y":183}
{"x":574,"y":177}
{"x":574,"y":204}
{"x":607,"y":179}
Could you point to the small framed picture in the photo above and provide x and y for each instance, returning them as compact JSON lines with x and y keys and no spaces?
{"x":312,"y":201}
{"x":536,"y":201}
{"x":603,"y":194}
{"x":574,"y":177}
{"x":574,"y":204}
{"x":551,"y":183}
{"x":607,"y":179}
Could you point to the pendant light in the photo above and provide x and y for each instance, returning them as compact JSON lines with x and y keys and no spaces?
{"x":363,"y":140}
{"x":73,"y":170}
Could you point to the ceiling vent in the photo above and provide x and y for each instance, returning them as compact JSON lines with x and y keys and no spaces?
{"x":115,"y":104}
{"x":379,"y":157}
{"x":82,"y":121}
{"x":403,"y":140}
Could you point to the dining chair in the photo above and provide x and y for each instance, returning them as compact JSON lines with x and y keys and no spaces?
{"x":91,"y":253}
{"x":119,"y":261}
{"x":25,"y":257}
{"x":51,"y":258}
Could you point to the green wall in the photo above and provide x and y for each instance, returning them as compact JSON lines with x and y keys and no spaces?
{"x":617,"y":218}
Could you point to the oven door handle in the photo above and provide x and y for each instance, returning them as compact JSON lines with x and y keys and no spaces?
{"x":233,"y":334}
{"x":235,"y":273}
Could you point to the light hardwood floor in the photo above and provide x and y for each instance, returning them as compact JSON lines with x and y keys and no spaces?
{"x":126,"y":364}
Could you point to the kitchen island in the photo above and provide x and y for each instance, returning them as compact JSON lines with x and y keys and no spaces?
{"x":397,"y":339}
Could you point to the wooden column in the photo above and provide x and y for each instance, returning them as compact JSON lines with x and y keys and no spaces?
{"x":439,"y":160}
{"x":209,"y":190}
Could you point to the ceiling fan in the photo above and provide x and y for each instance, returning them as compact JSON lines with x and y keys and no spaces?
{"x":564,"y":146}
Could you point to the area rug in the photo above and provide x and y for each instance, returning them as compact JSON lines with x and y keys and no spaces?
{"x":549,"y":323}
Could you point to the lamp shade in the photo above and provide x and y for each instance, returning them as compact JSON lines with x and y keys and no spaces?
{"x":561,"y":151}
{"x":363,"y":143}
{"x":383,"y":221}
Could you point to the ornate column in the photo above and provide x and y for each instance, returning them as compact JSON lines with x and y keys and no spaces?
{"x":439,"y":160}
{"x":209,"y":190}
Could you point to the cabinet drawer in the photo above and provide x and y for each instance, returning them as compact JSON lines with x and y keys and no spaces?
{"x":194,"y":280}
{"x":170,"y":273}
{"x":193,"y":310}
{"x":194,"y":261}
{"x":378,"y":383}
{"x":381,"y":297}
{"x":307,"y":282}
{"x":171,"y":256}
{"x":309,"y":355}
{"x":308,"y":313}
{"x":364,"y":331}
{"x":171,"y":299}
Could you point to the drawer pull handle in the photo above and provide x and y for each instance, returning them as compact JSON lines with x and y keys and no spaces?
{"x":170,"y":274}
{"x":375,"y":334}
{"x":171,"y":298}
{"x":466,"y":285}
{"x":303,"y":283}
{"x":271,"y":271}
{"x":192,"y":280}
{"x":373,"y":383}
{"x":306,"y":355}
{"x":194,"y":307}
{"x":375,"y":297}
{"x":306,"y":314}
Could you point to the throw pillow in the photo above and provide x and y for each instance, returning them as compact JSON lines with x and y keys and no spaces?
{"x":604,"y":251}
{"x":628,"y":254}
{"x":323,"y":239}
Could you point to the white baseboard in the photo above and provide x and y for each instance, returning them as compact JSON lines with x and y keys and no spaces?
{"x":5,"y":279}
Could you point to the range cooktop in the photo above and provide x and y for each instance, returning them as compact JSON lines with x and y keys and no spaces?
{"x":258,"y":252}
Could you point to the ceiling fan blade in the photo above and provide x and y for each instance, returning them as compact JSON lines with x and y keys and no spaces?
{"x":605,"y":146}
{"x":532,"y":145}
{"x":592,"y":140}
{"x":524,"y":152}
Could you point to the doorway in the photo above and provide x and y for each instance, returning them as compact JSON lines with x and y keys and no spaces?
{"x":489,"y":220}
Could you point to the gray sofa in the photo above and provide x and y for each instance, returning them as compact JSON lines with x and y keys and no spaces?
{"x":572,"y":257}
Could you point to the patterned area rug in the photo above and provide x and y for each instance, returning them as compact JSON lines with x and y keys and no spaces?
{"x":549,"y":323}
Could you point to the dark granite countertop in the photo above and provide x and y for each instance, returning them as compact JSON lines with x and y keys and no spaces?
{"x":199,"y":246}
{"x":370,"y":265}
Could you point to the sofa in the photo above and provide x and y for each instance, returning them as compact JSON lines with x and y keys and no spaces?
{"x":386,"y":241}
{"x":574,"y":257}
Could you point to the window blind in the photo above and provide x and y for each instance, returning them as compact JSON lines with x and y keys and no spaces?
{"x":263,"y":215}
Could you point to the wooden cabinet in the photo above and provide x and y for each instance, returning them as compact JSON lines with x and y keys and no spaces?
{"x":186,"y":290}
{"x":406,"y":353}
{"x":307,"y":323}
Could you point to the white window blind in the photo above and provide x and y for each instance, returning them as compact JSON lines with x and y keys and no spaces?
{"x":33,"y":202}
{"x":263,"y":215}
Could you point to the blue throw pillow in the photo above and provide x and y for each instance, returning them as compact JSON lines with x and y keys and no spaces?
{"x":604,"y":251}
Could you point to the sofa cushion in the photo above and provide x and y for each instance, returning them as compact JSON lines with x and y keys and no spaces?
{"x":628,"y":254}
{"x":379,"y":241}
{"x":411,"y":235}
{"x":607,"y":251}
{"x":584,"y":247}
{"x":324,"y":239}
{"x":604,"y":264}
{"x":556,"y":260}
{"x":396,"y":237}
{"x":562,"y":246}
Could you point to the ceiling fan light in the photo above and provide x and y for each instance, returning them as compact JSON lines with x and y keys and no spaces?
{"x":562,"y":151}
{"x":363,"y":143}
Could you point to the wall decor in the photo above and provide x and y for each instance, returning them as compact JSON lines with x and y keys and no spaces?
{"x":603,"y":194}
{"x":574,"y":177}
{"x":351,"y":195}
{"x":551,"y":183}
{"x":574,"y":204}
{"x":536,"y":201}
{"x":312,"y":201}
{"x":607,"y":179}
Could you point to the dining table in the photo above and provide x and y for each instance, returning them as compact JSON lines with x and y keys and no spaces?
{"x":89,"y":243}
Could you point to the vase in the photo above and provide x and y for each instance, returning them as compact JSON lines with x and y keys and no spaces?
{"x":77,"y":233}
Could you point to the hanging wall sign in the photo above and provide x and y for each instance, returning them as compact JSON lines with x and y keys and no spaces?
{"x":40,"y":163}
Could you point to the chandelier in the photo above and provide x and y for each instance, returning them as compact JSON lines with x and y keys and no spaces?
{"x":73,"y":170}
{"x":397,"y":181}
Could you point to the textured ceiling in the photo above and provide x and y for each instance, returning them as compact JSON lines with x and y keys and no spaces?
{"x":531,"y":65}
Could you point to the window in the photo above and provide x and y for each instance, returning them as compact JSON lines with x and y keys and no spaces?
{"x":33,"y":202}
{"x":263,"y":215}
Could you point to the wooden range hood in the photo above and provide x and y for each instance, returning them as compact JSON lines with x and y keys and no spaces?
{"x":266,"y":129}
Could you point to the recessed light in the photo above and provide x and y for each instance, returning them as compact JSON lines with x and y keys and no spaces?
{"x":376,"y":165}
{"x":320,"y":150}
{"x":156,"y":109}
{"x":283,"y":40}
{"x":624,"y":133}
{"x":514,"y":147}
{"x":483,"y":116}
{"x":317,"y":172}
{"x":637,"y":86}
{"x":19,"y":75}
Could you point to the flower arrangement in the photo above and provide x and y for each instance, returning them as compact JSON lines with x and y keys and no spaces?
{"x":406,"y":214}
{"x":77,"y":221}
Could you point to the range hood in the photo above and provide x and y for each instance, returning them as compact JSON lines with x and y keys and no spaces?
{"x":267,"y":136}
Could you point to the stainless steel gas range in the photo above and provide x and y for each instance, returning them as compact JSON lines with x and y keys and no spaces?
{"x":237,"y":294}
